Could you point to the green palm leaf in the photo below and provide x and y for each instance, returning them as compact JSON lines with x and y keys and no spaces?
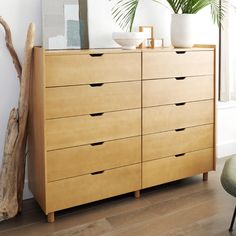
{"x":124,"y":10}
{"x":124,"y":13}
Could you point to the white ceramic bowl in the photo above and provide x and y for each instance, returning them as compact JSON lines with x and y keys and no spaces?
{"x":128,"y":40}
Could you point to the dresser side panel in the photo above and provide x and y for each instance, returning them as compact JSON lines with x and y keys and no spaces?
{"x":36,"y":160}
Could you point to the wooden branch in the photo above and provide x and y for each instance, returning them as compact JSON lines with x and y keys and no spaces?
{"x":23,"y":107}
{"x":13,"y":169}
{"x":11,"y":49}
{"x":8,"y":174}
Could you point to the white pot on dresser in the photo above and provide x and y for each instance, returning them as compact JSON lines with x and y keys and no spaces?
{"x":183,"y":30}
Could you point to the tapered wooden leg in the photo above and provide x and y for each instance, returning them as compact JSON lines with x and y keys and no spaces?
{"x":232,"y":221}
{"x":205,"y":176}
{"x":137,"y":194}
{"x":51,"y":217}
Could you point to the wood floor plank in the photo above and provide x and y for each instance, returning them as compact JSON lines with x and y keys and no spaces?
{"x":91,"y":229}
{"x":160,"y":225}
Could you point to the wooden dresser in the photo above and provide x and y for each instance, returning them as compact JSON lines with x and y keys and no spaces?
{"x":178,"y":106}
{"x":108,"y":122}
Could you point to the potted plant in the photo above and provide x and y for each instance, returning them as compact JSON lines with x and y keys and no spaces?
{"x":183,"y":17}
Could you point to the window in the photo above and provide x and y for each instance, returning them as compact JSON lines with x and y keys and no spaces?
{"x":228,"y":55}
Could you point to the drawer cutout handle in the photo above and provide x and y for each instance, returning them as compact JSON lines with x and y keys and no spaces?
{"x":180,"y":78}
{"x":96,"y":114}
{"x":180,"y":155}
{"x":96,"y":55}
{"x":98,"y":172}
{"x":180,"y":130}
{"x":96,"y":85}
{"x":97,"y":144}
{"x":180,"y":104}
{"x":180,"y":52}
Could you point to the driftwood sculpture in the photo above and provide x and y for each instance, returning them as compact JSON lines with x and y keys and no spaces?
{"x":13,"y":166}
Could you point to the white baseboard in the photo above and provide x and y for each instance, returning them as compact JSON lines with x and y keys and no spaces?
{"x":27,"y":194}
{"x":226,"y":149}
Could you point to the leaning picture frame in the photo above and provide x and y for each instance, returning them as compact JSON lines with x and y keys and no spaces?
{"x":149,"y":33}
{"x":158,"y":42}
{"x":65,"y":24}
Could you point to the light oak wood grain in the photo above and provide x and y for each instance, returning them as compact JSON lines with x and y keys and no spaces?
{"x":171,"y":64}
{"x":137,"y":194}
{"x":170,"y":117}
{"x":108,"y":82}
{"x":91,"y":158}
{"x":51,"y":217}
{"x":196,"y":47}
{"x":74,"y":131}
{"x":86,"y":99}
{"x":37,"y":168}
{"x":173,"y":168}
{"x":94,"y":51}
{"x":203,"y":47}
{"x":174,"y":142}
{"x":87,"y":188}
{"x":73,"y":69}
{"x":172,"y":90}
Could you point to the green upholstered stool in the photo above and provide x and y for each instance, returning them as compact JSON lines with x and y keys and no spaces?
{"x":228,"y":181}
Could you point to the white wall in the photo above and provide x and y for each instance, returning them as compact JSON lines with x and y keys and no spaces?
{"x":226,"y":129}
{"x":20,"y":13}
{"x":148,"y":13}
{"x":101,"y":23}
{"x":227,"y":110}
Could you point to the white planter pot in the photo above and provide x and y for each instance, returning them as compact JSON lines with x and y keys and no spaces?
{"x":183,"y":30}
{"x":128,"y":40}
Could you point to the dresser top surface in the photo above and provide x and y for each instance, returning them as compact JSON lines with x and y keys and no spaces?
{"x":119,"y":51}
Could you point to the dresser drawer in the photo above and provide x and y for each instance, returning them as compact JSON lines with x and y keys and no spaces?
{"x":89,"y":129}
{"x":170,"y":143}
{"x":177,"y":63}
{"x":87,"y":99}
{"x":174,"y":90}
{"x":177,"y":116}
{"x":92,"y":187}
{"x":95,"y":68}
{"x":174,"y":168}
{"x":91,"y":158}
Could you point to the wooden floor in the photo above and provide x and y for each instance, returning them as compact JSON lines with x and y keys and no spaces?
{"x":187,"y":207}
